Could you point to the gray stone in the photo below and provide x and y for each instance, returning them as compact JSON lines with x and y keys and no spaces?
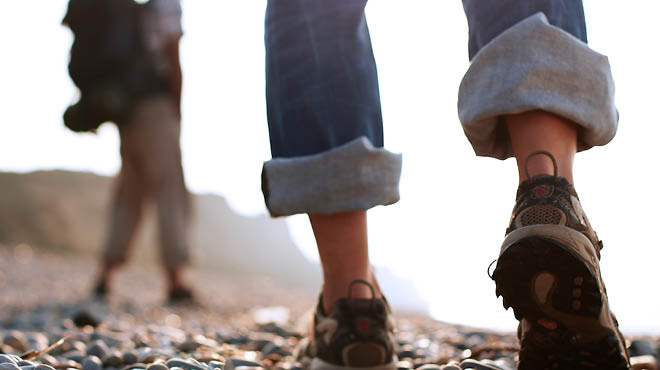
{"x":112,"y":360}
{"x":5,"y":348}
{"x":234,"y":363}
{"x":9,"y":366}
{"x":189,"y":346}
{"x":640,"y":348}
{"x":183,"y":364}
{"x":429,"y":367}
{"x":92,"y":363}
{"x":195,"y":362}
{"x":129,"y":358}
{"x":146,"y":355}
{"x":98,"y":348}
{"x":76,"y":356}
{"x":79,"y":346}
{"x":480,"y":365}
{"x":137,"y":365}
{"x":450,"y":367}
{"x":216,"y":365}
{"x":46,"y":359}
{"x":44,"y":367}
{"x":6,"y":359}
{"x":16,"y":340}
{"x":157,"y":367}
{"x":37,"y":341}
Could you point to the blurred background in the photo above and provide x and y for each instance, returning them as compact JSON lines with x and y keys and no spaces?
{"x":431,"y":250}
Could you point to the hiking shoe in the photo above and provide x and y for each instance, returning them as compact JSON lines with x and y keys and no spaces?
{"x":548,"y":272}
{"x":180,"y":296}
{"x":100,"y":291}
{"x":358,"y":333}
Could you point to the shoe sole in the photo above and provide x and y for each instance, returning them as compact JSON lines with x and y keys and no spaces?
{"x":543,"y":274}
{"x":318,"y":364}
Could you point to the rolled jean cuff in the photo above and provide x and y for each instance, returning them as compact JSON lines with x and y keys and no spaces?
{"x":354,"y":176}
{"x":536,"y":66}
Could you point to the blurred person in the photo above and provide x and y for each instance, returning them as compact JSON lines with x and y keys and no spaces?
{"x":125,"y":61}
{"x":534,"y":91}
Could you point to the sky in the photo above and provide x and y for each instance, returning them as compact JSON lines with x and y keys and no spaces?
{"x":454,"y":207}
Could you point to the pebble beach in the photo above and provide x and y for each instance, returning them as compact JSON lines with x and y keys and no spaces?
{"x":49,"y":320}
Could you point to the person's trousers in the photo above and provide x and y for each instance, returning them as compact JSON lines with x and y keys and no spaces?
{"x":151,"y":170}
{"x":324,"y":112}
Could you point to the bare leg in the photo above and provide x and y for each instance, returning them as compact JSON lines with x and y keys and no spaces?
{"x":343,"y":248}
{"x":540,"y":130}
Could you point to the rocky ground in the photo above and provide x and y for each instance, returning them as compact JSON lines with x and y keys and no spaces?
{"x":242,"y":325}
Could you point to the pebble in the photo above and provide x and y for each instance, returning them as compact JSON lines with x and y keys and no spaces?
{"x":189,"y":346}
{"x":640,"y":348}
{"x":38,"y":341}
{"x":98,"y":348}
{"x":450,"y":367}
{"x":146,"y":355}
{"x":16,"y":340}
{"x":216,"y":365}
{"x":137,"y":365}
{"x":647,"y":362}
{"x":129,"y":358}
{"x":6,"y":359}
{"x":131,"y":336}
{"x":92,"y":363}
{"x":157,"y":367}
{"x":112,"y":360}
{"x":47,"y":359}
{"x":431,"y":367}
{"x":183,"y":364}
{"x":484,"y":365}
{"x":234,"y":363}
{"x":75,"y":355}
{"x":9,"y":366}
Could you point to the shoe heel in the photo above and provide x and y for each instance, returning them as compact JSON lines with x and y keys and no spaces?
{"x":541,"y":278}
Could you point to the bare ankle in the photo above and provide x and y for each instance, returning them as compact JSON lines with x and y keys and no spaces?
{"x":363,"y":287}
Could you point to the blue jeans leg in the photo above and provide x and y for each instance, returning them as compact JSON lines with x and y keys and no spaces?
{"x":324,"y":114}
{"x":533,"y":55}
{"x":321,"y":80}
{"x":488,"y":19}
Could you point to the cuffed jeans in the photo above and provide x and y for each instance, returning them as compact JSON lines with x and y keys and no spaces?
{"x":324,"y":112}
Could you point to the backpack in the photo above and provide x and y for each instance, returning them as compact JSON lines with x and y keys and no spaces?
{"x":110,"y":63}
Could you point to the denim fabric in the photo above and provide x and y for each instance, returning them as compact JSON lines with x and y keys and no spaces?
{"x":324,"y":111}
{"x":521,"y":70}
{"x":489,"y":18}
{"x":321,"y":81}
{"x":351,"y":177}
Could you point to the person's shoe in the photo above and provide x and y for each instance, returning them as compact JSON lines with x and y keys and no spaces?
{"x":356,"y":334}
{"x":181,"y":296}
{"x":548,"y":272}
{"x":100,"y":291}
